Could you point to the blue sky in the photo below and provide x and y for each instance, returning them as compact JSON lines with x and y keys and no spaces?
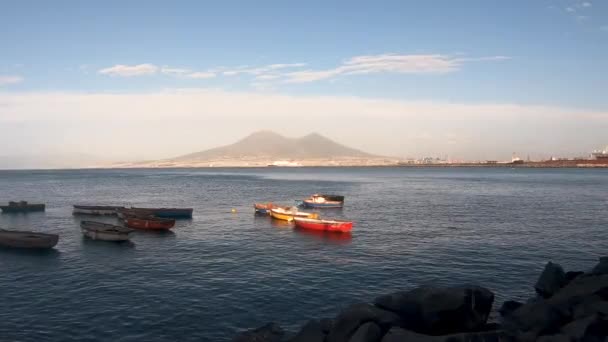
{"x":549,"y":54}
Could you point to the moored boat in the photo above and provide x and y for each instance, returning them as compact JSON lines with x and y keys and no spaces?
{"x":123,"y":213}
{"x":289,"y":214}
{"x":337,"y":226}
{"x":21,"y":207}
{"x":104,"y":231}
{"x":262,"y":208}
{"x":30,"y":240}
{"x":169,"y":212}
{"x":324,"y":201}
{"x":99,"y":210}
{"x":150,"y":223}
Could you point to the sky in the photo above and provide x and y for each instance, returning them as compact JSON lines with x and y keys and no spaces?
{"x":467,"y":80}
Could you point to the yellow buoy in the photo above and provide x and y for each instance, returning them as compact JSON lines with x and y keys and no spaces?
{"x":233,"y":210}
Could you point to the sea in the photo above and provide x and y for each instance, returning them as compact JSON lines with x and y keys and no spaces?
{"x":226,"y":270}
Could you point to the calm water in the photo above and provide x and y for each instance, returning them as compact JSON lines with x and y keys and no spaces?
{"x":221,"y":272}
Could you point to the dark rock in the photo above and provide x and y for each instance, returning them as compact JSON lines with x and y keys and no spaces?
{"x":554,"y":338}
{"x":402,"y":335}
{"x":508,"y":307}
{"x":368,"y":332}
{"x":601,"y":267}
{"x":310,"y":332}
{"x":581,"y":287}
{"x":581,"y":329}
{"x":440,"y":311}
{"x":589,"y":306}
{"x":356,"y":315}
{"x":326,"y":324}
{"x":270,"y":332}
{"x":535,"y":319}
{"x":551,"y":280}
{"x":570,"y":276}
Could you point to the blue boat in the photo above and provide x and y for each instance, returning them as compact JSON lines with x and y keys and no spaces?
{"x":324,"y":201}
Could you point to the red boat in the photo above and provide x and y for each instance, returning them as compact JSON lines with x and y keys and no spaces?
{"x":324,"y":225}
{"x":151,"y":223}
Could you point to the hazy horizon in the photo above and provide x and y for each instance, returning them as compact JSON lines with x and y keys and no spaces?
{"x":85,"y":83}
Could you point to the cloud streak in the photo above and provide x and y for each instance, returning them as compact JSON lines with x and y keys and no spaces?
{"x":122,"y":70}
{"x":10,"y":79}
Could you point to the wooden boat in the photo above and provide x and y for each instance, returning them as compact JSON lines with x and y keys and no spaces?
{"x":104,"y":231}
{"x":324,"y":201}
{"x":17,"y":239}
{"x":123,"y":213}
{"x":169,"y":212}
{"x":289,"y":214}
{"x":21,"y":207}
{"x":337,"y":226}
{"x":151,"y":223}
{"x":99,"y":210}
{"x":262,"y":208}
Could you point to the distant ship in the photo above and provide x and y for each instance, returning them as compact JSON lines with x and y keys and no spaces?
{"x":601,"y":155}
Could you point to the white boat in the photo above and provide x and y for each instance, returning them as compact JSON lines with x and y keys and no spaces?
{"x":104,"y":231}
{"x":17,"y":239}
{"x":99,"y":210}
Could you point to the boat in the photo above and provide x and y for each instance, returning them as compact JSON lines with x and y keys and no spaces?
{"x":99,"y":210}
{"x":324,"y":201}
{"x":150,"y":223}
{"x":289,"y":214}
{"x":264,"y":208}
{"x":169,"y":212}
{"x":31,"y":240}
{"x":105,"y":232}
{"x":123,"y":213}
{"x":21,"y":207}
{"x":337,"y":226}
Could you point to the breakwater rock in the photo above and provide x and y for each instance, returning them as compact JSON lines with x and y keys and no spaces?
{"x":568,"y":306}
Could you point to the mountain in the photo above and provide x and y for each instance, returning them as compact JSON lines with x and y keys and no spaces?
{"x":272,"y":146}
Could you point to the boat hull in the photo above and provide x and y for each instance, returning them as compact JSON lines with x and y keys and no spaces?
{"x":22,"y":209}
{"x":105,"y":232}
{"x":175,"y":213}
{"x":324,"y":225}
{"x":288,"y":216}
{"x":28,"y":240}
{"x":323,"y":205}
{"x":149,"y":224}
{"x":96,"y":210}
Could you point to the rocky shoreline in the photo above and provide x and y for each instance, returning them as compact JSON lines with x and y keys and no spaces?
{"x":567,"y":306}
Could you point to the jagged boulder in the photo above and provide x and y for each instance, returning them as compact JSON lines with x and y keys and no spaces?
{"x":601,"y":267}
{"x":368,"y":332}
{"x":310,"y":332}
{"x":589,"y":306}
{"x":270,"y":332}
{"x":402,"y":335}
{"x":551,"y":280}
{"x":591,"y":328}
{"x":326,"y":324}
{"x":508,"y":307}
{"x":440,"y":311}
{"x":350,"y":319}
{"x":536,"y":319}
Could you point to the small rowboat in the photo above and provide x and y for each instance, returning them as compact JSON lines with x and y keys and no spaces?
{"x":99,"y":210}
{"x":289,"y":214}
{"x":21,"y":207}
{"x":169,"y":212}
{"x":324,"y":201}
{"x":262,"y":208}
{"x":324,"y":225}
{"x":123,"y":213}
{"x":104,"y":231}
{"x":31,"y":240}
{"x":150,"y":223}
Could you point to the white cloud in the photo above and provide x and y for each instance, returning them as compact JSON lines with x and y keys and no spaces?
{"x":267,"y":77}
{"x":201,"y":75}
{"x":604,"y":28}
{"x":388,"y":63}
{"x":174,"y":71}
{"x":570,"y":9}
{"x":586,"y":4}
{"x":8,"y":79}
{"x":130,"y":70}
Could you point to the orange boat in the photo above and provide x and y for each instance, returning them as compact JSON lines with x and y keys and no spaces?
{"x":151,"y":223}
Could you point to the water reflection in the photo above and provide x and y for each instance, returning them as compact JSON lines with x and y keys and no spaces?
{"x":280,"y":223}
{"x":330,"y":237}
{"x":46,"y":252}
{"x":121,"y":244}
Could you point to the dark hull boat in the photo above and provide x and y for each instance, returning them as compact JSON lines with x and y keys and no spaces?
{"x":21,"y":207}
{"x":324,"y":201}
{"x":98,"y":210}
{"x":149,"y":223}
{"x":168,"y":212}
{"x":29,"y":240}
{"x":104,"y":231}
